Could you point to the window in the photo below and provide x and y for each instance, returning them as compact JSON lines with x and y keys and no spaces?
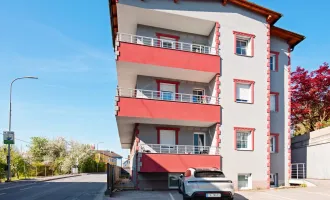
{"x":173,"y":180}
{"x":244,"y":138}
{"x":273,"y":61}
{"x":167,"y":41}
{"x":274,"y":101}
{"x":198,"y":95}
{"x":274,"y":142}
{"x":244,"y":181}
{"x":167,"y":89}
{"x":244,"y":91}
{"x":209,"y":174}
{"x":243,"y":44}
{"x":197,"y":48}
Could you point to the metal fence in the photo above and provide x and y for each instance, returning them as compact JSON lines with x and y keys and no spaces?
{"x":165,"y":43}
{"x":178,"y":149}
{"x":298,"y":171}
{"x":168,"y":96}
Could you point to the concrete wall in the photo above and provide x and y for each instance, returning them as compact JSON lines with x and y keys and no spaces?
{"x":318,"y":161}
{"x":277,"y":119}
{"x":148,"y":134}
{"x":185,"y":87}
{"x":312,"y":149}
{"x":149,"y":31}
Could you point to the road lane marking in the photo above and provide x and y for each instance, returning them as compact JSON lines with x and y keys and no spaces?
{"x":16,"y":186}
{"x":277,"y":196}
{"x":27,"y":188}
{"x":172,"y":198}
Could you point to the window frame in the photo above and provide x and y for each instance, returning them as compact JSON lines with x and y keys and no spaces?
{"x":176,"y":83}
{"x":174,"y":37}
{"x":244,"y":129}
{"x":168,"y":128}
{"x":193,"y":95}
{"x":250,"y":42}
{"x":276,"y":55}
{"x":276,"y":94}
{"x":249,"y":181}
{"x":276,"y":136}
{"x":240,"y":81}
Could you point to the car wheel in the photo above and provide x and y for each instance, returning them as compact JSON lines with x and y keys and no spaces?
{"x":184,"y":197}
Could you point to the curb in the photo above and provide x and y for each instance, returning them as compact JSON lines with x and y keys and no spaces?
{"x":42,"y":180}
{"x":56,"y":178}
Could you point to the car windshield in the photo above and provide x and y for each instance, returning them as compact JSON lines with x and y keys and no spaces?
{"x":205,"y":174}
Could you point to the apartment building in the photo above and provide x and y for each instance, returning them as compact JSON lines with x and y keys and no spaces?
{"x":203,"y":83}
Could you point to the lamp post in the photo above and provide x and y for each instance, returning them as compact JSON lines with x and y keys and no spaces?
{"x":97,"y":149}
{"x":11,"y":87}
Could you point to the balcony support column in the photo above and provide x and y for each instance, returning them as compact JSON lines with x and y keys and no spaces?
{"x":137,"y":167}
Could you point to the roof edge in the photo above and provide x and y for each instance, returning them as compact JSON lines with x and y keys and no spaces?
{"x":292,"y":38}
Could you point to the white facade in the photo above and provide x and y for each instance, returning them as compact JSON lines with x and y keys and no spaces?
{"x":194,"y":22}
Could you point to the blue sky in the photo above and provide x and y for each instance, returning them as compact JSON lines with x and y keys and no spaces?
{"x":67,"y":44}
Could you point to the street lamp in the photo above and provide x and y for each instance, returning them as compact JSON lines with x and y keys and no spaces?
{"x":97,"y":149}
{"x":11,"y":87}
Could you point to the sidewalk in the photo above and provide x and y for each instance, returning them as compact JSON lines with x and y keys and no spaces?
{"x":41,"y":179}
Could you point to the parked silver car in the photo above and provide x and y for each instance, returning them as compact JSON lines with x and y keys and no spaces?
{"x":209,"y":183}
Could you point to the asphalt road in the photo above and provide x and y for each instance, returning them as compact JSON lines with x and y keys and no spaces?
{"x":85,"y":187}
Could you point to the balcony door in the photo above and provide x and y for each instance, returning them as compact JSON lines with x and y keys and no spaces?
{"x":167,"y":91}
{"x":167,"y":141}
{"x":199,"y":143}
{"x":198,"y":95}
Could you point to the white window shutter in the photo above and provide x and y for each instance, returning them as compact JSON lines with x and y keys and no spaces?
{"x":243,"y":91}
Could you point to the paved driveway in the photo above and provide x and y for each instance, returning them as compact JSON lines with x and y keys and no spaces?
{"x":314,"y":193}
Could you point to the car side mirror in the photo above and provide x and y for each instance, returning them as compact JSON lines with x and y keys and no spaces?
{"x":181,"y":175}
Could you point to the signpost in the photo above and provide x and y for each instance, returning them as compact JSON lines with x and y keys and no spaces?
{"x":8,"y":137}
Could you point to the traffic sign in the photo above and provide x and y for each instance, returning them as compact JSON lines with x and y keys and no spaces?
{"x":8,"y":137}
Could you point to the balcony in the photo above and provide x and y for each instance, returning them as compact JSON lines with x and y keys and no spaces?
{"x":179,"y":149}
{"x":177,"y":158}
{"x":166,"y":44}
{"x":148,"y":56}
{"x":168,"y":96}
{"x":137,"y":106}
{"x":156,"y":107}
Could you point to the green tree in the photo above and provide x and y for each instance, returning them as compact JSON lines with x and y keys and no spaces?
{"x":38,"y":148}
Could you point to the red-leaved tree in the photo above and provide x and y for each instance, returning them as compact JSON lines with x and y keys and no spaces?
{"x":310,"y":97}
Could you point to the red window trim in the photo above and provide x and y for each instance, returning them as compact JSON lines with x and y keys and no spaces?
{"x":168,"y":128}
{"x":276,"y":135}
{"x":168,"y":35}
{"x":244,"y":82}
{"x":276,"y":100}
{"x":251,"y":36}
{"x":176,"y":83}
{"x":244,"y":129}
{"x":276,"y":53}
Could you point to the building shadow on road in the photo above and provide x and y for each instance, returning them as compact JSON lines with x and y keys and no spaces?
{"x":239,"y":197}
